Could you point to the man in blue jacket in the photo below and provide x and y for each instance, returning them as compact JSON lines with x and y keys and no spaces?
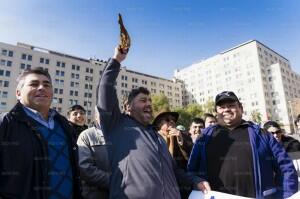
{"x":238,"y":157}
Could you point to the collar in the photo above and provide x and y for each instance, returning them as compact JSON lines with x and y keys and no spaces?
{"x":39,"y":118}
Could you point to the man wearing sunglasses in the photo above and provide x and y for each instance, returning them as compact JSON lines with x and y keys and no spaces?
{"x":290,"y":144}
{"x":239,"y":158}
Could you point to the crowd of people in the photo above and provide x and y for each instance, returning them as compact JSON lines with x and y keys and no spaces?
{"x":131,"y":155}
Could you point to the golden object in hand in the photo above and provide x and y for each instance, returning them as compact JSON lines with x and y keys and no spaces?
{"x":124,"y":44}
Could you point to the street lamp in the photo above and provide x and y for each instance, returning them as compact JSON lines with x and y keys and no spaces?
{"x":290,"y":104}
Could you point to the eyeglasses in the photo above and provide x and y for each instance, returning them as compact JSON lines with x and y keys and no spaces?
{"x":276,"y":132}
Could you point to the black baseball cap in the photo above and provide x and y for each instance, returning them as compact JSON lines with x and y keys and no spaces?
{"x":226,"y":96}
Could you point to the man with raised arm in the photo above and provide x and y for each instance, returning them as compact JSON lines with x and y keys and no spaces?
{"x":142,"y":166}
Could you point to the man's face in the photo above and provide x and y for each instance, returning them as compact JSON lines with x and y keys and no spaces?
{"x":141,"y":108}
{"x":277,"y":133}
{"x":77,"y":117}
{"x":166,"y":123}
{"x":230,"y":114}
{"x":36,"y":92}
{"x":195,"y":128}
{"x":209,"y":121}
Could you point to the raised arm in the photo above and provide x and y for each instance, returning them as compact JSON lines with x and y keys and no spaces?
{"x":107,"y":101}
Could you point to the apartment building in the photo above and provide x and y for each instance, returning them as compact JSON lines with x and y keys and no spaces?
{"x":74,"y":79}
{"x":261,"y":77}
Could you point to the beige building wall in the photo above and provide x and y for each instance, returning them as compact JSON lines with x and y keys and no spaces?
{"x":74,"y":79}
{"x":262,"y":79}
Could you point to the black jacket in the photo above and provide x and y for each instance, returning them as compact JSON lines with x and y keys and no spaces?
{"x":290,"y":144}
{"x":23,"y":152}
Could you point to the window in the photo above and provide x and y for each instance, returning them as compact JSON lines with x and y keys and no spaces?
{"x":2,"y":62}
{"x":73,"y":67}
{"x":9,"y":63}
{"x":4,"y":52}
{"x":63,"y":64}
{"x":78,"y":68}
{"x":61,"y":91}
{"x":41,"y":60}
{"x":6,"y":84}
{"x":29,"y":57}
{"x":4,"y":94}
{"x":10,"y":53}
{"x":58,"y":63}
{"x":24,"y":56}
{"x":47,"y":61}
{"x":7,"y":73}
{"x":1,"y":72}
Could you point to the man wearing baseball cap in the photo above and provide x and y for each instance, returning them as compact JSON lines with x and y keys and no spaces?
{"x":238,"y":157}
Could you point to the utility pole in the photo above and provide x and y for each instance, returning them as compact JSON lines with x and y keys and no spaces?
{"x":290,"y":104}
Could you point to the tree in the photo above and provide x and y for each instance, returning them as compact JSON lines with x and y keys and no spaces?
{"x":160,"y":103}
{"x":256,"y":116}
{"x":187,"y":113}
{"x":209,"y":106}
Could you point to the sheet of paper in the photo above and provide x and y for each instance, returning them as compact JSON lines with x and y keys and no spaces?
{"x":213,"y":195}
{"x":220,"y":195}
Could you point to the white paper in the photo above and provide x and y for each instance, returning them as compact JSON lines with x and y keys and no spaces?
{"x":220,"y":195}
{"x":214,"y":195}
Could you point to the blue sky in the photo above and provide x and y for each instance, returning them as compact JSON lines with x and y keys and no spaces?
{"x":166,"y":34}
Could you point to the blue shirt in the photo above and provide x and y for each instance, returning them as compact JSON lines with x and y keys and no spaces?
{"x":39,"y":118}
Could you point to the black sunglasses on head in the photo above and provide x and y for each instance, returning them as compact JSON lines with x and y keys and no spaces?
{"x":276,"y":132}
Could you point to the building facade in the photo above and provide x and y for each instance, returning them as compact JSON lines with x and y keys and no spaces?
{"x":74,"y":79}
{"x":263,"y":80}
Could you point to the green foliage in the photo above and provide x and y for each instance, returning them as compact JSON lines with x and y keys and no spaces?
{"x":256,"y":116}
{"x":187,"y":113}
{"x":209,"y":106}
{"x":160,"y":103}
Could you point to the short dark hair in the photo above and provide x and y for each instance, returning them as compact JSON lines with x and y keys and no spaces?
{"x":134,"y":92}
{"x":206,"y":115}
{"x":198,"y":120}
{"x":269,"y":124}
{"x":35,"y":70}
{"x":75,"y":107}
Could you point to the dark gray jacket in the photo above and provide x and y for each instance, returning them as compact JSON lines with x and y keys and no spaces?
{"x":142,"y":166}
{"x":94,"y":164}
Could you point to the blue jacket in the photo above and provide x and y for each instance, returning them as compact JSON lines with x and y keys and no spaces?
{"x":274,"y":172}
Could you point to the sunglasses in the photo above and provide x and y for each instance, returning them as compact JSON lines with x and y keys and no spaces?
{"x":276,"y":132}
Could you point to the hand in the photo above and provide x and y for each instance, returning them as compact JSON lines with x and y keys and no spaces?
{"x":120,"y":56}
{"x":204,"y":187}
{"x":174,"y":132}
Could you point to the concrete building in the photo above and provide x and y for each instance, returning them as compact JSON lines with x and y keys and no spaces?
{"x":74,"y":79}
{"x":261,"y":77}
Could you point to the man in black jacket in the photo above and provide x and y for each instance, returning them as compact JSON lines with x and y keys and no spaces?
{"x":38,"y":153}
